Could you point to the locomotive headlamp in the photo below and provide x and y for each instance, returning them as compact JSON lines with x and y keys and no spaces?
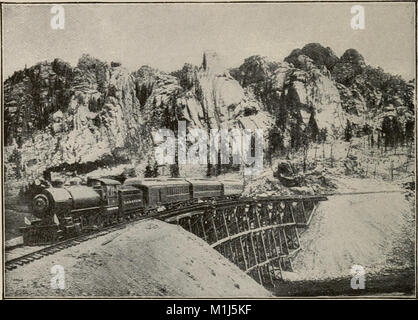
{"x":40,"y":203}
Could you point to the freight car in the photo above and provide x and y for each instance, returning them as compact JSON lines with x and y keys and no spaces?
{"x":70,"y":210}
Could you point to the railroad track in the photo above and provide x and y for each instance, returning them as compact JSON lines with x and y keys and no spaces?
{"x":59,"y":246}
{"x":56,"y":247}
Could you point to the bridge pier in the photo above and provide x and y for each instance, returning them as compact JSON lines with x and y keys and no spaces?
{"x":259,"y":235}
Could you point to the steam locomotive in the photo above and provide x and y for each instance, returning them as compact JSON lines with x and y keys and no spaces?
{"x":67,"y":211}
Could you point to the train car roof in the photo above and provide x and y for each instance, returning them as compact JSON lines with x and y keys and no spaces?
{"x":128,"y":188}
{"x":105,"y":181}
{"x":203,"y":181}
{"x":155,"y":182}
{"x":231,"y":181}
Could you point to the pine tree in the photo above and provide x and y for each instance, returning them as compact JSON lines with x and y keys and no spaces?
{"x":323,"y":133}
{"x":174,"y":170}
{"x":155,"y":172}
{"x":387,"y":132}
{"x":348,"y":132}
{"x":409,"y":130}
{"x":148,"y":171}
{"x":313,"y":127}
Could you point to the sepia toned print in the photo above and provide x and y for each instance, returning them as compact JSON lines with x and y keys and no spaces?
{"x":209,"y":150}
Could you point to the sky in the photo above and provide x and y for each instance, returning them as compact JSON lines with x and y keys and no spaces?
{"x":166,"y":36}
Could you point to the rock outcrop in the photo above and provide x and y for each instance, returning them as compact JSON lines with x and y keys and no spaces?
{"x":214,"y":99}
{"x":96,"y":114}
{"x":294,"y":95}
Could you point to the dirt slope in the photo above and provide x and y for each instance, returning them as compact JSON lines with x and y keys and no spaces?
{"x":149,"y":258}
{"x":376,"y":231}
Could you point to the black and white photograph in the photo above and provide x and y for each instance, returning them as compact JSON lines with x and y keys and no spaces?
{"x":208,"y":150}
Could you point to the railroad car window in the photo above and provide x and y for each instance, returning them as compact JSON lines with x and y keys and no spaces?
{"x":112,"y":191}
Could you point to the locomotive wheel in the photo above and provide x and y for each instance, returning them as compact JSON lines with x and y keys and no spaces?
{"x":100,"y":222}
{"x":84,"y":224}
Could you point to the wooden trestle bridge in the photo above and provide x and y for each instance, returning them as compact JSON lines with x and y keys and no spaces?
{"x":259,"y":235}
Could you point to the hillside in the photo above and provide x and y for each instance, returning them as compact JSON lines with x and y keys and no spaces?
{"x":375,"y":231}
{"x":149,"y":258}
{"x":98,"y":115}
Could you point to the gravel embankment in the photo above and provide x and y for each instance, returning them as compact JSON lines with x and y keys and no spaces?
{"x":149,"y":258}
{"x":376,"y":231}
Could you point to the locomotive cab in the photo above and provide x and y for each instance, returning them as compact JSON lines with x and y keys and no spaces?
{"x":130,"y":201}
{"x":107,"y":189}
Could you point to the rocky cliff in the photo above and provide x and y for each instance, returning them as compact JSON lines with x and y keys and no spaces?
{"x":314,"y":93}
{"x":58,"y":117}
{"x":87,"y":117}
